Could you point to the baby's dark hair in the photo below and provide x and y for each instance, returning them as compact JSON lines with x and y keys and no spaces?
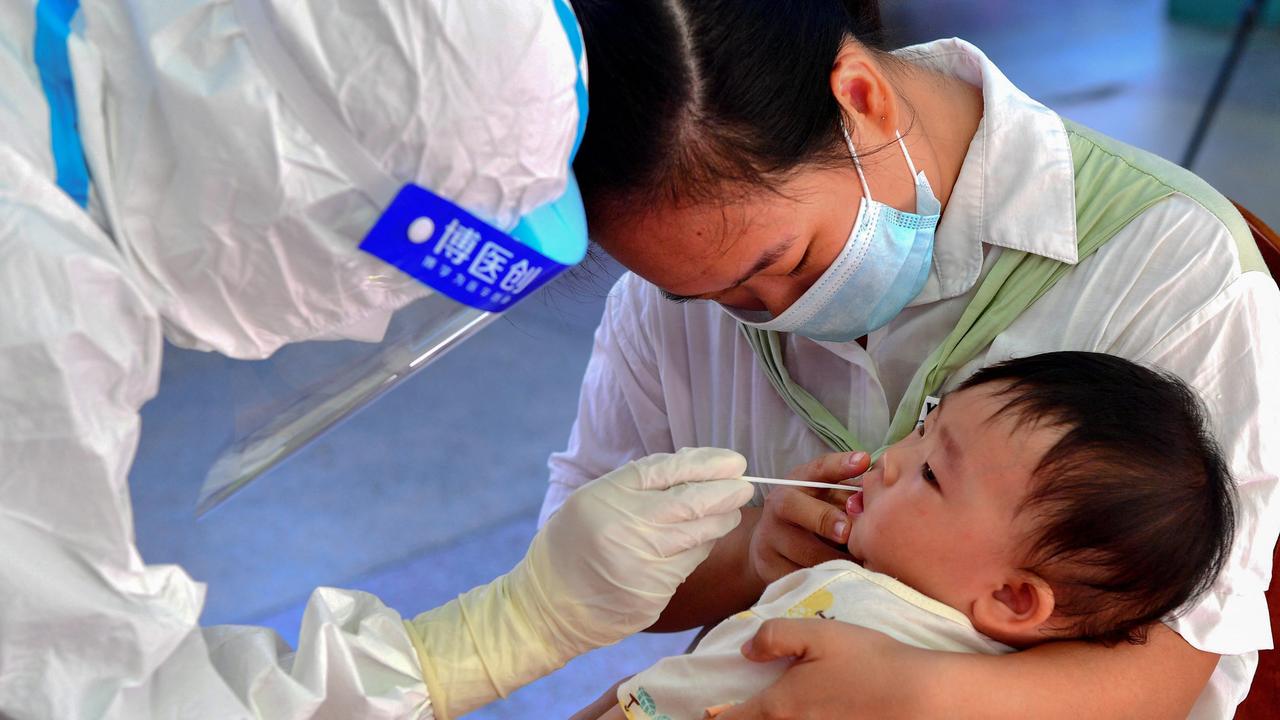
{"x":1134,"y":504}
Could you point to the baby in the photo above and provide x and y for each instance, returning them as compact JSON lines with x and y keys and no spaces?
{"x":1065,"y":495}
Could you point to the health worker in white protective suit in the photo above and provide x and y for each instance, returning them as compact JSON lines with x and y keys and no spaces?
{"x":203,"y":171}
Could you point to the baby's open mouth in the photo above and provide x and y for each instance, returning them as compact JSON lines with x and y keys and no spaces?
{"x":854,"y":504}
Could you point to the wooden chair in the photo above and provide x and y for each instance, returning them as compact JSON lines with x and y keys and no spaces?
{"x":1263,"y":702}
{"x":1267,"y":239}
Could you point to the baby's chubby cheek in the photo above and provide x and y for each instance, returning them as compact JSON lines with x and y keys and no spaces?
{"x":884,"y":539}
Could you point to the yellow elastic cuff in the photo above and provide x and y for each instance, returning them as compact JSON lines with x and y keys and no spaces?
{"x":480,"y":646}
{"x":456,"y":675}
{"x":434,"y":691}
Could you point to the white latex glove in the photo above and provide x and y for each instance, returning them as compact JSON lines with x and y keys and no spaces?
{"x":602,"y":568}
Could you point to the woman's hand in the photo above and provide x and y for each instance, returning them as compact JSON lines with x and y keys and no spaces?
{"x":841,"y":671}
{"x":800,"y":528}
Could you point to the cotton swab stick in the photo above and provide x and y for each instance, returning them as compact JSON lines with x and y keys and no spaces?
{"x":801,"y":483}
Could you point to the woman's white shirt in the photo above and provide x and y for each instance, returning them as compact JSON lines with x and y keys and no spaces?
{"x":1166,"y":291}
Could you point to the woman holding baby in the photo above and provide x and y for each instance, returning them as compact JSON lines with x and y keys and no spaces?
{"x":820,"y":235}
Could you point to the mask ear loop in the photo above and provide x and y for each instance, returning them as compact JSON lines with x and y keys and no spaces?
{"x":857,"y":164}
{"x":902,"y":144}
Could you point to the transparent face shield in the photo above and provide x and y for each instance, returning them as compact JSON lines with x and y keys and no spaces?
{"x":284,"y":404}
{"x":471,"y":272}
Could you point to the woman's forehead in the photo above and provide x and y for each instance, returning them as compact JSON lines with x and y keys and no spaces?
{"x":688,"y":244}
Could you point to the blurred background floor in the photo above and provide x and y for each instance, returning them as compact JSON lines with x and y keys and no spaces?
{"x":436,"y":487}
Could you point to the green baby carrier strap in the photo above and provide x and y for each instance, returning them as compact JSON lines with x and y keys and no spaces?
{"x":1114,"y":183}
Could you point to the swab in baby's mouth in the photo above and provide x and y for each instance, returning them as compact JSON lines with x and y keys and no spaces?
{"x":802,"y":483}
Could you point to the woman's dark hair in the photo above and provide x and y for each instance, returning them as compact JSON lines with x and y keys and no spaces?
{"x":686,"y":95}
{"x":1134,"y":505}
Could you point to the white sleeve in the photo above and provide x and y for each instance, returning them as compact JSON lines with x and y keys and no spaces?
{"x":88,"y":629}
{"x":621,"y":411}
{"x":1229,"y":351}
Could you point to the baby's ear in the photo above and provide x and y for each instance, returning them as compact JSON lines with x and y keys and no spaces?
{"x":1016,"y":613}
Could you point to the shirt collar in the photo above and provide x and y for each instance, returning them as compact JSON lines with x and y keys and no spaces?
{"x":1016,"y":187}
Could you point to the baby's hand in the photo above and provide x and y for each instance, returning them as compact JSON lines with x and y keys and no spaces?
{"x":803,"y":527}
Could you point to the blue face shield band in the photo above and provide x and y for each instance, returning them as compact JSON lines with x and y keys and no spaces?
{"x":882,"y":267}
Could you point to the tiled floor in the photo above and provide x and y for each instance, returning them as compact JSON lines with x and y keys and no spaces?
{"x":435,"y":488}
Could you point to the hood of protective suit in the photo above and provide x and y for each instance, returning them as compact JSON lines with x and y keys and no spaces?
{"x":238,"y":222}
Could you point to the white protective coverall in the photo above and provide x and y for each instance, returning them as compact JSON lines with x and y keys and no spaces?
{"x":214,"y":219}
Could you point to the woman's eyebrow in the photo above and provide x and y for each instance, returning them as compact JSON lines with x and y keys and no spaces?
{"x":767,"y":258}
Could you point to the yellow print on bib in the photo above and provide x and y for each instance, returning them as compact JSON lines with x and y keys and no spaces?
{"x":816,"y":605}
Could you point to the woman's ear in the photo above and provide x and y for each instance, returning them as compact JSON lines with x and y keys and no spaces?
{"x":866,"y":96}
{"x":1016,"y":612}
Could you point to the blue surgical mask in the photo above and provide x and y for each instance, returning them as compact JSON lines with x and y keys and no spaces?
{"x":881,"y":269}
